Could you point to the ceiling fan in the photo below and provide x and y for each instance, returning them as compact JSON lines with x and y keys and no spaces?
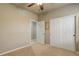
{"x":39,"y":4}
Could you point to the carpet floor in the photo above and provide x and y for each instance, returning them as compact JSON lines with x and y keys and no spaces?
{"x":41,"y":50}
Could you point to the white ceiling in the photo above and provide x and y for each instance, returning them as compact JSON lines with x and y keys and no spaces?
{"x":47,"y":7}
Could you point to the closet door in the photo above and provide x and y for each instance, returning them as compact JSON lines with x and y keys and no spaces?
{"x":55,"y":33}
{"x":62,"y":32}
{"x":68,"y":32}
{"x":41,"y":32}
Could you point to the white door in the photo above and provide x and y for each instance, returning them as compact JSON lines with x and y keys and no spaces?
{"x":41,"y":32}
{"x":55,"y":33}
{"x":61,"y":32}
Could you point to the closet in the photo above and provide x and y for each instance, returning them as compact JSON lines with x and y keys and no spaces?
{"x":62,"y":32}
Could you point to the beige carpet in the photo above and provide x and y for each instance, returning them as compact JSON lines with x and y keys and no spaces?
{"x":41,"y":50}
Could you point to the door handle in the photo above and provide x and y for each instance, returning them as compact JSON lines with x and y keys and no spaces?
{"x":74,"y":35}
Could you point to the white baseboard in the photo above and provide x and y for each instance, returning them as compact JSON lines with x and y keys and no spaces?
{"x":14,"y":49}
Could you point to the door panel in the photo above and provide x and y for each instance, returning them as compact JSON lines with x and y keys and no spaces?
{"x":68,"y":27}
{"x":62,"y":31}
{"x":55,"y":33}
{"x":41,"y":32}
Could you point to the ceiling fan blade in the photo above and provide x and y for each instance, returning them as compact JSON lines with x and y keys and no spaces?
{"x":31,"y":4}
{"x":41,"y":7}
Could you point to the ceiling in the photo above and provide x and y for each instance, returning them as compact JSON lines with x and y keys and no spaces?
{"x":47,"y":7}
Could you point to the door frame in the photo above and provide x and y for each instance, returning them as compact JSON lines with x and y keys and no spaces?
{"x":47,"y":32}
{"x":76,"y":24}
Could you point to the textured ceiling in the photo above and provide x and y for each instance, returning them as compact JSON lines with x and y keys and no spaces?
{"x":47,"y":7}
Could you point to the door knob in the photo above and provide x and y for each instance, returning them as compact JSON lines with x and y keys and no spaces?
{"x":74,"y":35}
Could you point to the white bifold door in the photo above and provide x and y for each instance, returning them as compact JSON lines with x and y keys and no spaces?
{"x":62,"y":31}
{"x":41,"y":32}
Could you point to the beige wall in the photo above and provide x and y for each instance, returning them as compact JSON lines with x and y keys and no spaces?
{"x":14,"y":26}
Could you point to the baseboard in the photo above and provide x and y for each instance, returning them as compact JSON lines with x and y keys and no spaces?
{"x":14,"y":49}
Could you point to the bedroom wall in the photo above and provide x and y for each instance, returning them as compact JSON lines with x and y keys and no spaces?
{"x":14,"y":26}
